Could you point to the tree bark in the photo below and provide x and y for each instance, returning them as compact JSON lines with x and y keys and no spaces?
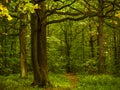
{"x":22,"y":38}
{"x":38,"y":46}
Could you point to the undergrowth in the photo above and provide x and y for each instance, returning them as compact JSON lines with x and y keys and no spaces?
{"x":59,"y":81}
{"x":14,"y":82}
{"x":98,"y":82}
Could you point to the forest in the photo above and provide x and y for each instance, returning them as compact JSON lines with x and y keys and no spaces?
{"x":59,"y":45}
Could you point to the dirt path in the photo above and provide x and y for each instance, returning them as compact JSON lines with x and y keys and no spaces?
{"x":73,"y":79}
{"x":73,"y":83}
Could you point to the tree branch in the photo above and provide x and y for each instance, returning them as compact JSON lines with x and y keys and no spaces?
{"x":68,"y":13}
{"x":6,"y":34}
{"x":72,"y":19}
{"x":50,"y":12}
{"x":66,"y":5}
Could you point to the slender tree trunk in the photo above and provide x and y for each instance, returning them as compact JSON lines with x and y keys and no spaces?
{"x":83,"y":51}
{"x":117,"y":52}
{"x":38,"y":46}
{"x":68,"y":42}
{"x":101,"y":63}
{"x":91,"y":41}
{"x":5,"y":44}
{"x":22,"y":38}
{"x":68,"y":67}
{"x":67,"y":50}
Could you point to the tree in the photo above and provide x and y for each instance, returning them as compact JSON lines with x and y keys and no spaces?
{"x":38,"y":41}
{"x":116,"y":41}
{"x":38,"y":36}
{"x":101,"y":62}
{"x":38,"y":45}
{"x":22,"y":38}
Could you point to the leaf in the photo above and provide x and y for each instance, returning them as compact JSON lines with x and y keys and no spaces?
{"x":117,"y":15}
{"x":9,"y":17}
{"x":4,"y":12}
{"x":36,"y":6}
{"x":113,"y":22}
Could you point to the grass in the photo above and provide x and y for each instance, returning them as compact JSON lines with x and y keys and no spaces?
{"x":59,"y":81}
{"x":98,"y":82}
{"x":14,"y":82}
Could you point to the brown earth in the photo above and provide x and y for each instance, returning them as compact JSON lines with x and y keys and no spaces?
{"x":73,"y":79}
{"x":73,"y":83}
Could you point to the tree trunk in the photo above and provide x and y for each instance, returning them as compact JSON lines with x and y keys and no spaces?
{"x":67,"y":31}
{"x":22,"y":38}
{"x":83,"y":49}
{"x":67,"y":50}
{"x":38,"y":46}
{"x":91,"y":41}
{"x":117,"y":52}
{"x":101,"y":63}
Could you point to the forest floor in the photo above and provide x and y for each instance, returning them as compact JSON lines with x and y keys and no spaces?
{"x":62,"y":81}
{"x":73,"y":80}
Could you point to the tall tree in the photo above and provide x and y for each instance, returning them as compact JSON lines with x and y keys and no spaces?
{"x":116,"y":39}
{"x":101,"y":62}
{"x":22,"y":38}
{"x":38,"y":45}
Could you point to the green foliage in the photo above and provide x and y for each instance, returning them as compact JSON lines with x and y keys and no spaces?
{"x":4,"y":12}
{"x":27,"y":7}
{"x":90,"y":66}
{"x":98,"y":82}
{"x":59,"y":80}
{"x":56,"y":63}
{"x":9,"y":57}
{"x":14,"y":82}
{"x":77,"y":37}
{"x":55,"y":60}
